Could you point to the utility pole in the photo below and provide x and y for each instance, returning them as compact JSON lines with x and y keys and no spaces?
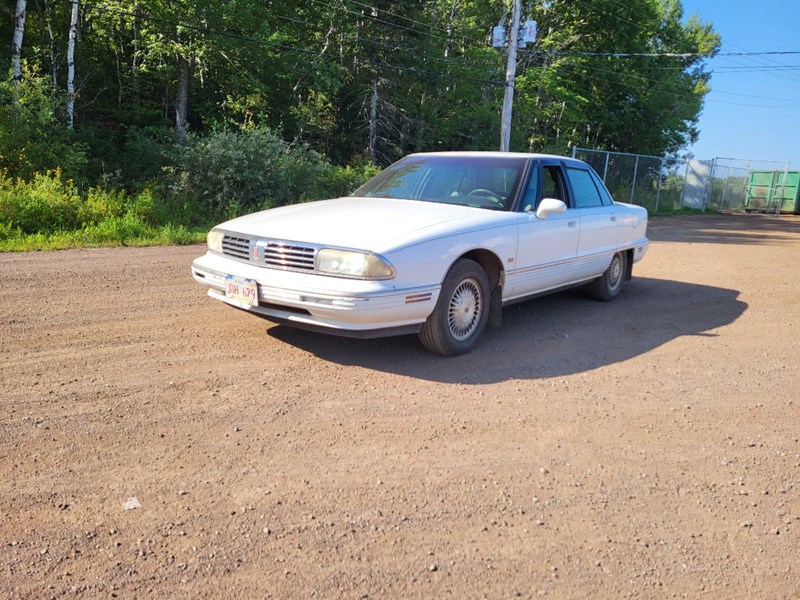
{"x":511,"y":73}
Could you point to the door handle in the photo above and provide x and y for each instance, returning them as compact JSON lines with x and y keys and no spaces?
{"x":613,"y":219}
{"x":571,"y":223}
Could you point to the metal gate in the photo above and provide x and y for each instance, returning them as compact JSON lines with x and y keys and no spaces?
{"x":696,"y":183}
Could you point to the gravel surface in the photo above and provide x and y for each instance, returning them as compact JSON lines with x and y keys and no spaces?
{"x":156,"y":443}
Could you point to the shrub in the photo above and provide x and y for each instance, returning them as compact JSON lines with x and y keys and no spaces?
{"x":8,"y":231}
{"x":32,"y":139}
{"x":49,"y":203}
{"x":339,"y":181}
{"x":250,"y":168}
{"x":145,"y":152}
{"x":45,"y":203}
{"x":144,"y":207}
{"x":100,"y":204}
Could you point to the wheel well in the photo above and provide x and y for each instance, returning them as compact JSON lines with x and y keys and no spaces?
{"x":489,"y":263}
{"x":629,"y":265}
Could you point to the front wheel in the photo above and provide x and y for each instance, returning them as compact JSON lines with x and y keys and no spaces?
{"x":461,"y":312}
{"x":609,"y":284}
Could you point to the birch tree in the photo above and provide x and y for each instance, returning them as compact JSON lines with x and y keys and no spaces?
{"x":16,"y":44}
{"x":73,"y":34}
{"x":182,"y":99}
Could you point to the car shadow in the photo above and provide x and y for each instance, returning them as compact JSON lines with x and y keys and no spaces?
{"x":551,"y":336}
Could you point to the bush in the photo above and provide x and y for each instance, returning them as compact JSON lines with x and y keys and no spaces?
{"x":247,"y":169}
{"x":32,"y":140}
{"x":337,"y":181}
{"x":145,"y":152}
{"x":46,"y":203}
{"x":50,"y":203}
{"x":99,"y":205}
{"x":220,"y":176}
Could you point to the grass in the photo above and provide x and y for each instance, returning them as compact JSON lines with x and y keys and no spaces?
{"x":117,"y":231}
{"x":129,"y":230}
{"x":49,"y":212}
{"x":679,"y":212}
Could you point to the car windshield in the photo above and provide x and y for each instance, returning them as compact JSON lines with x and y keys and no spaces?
{"x":477,"y":181}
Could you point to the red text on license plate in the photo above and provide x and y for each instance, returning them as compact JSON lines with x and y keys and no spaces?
{"x":242,"y":291}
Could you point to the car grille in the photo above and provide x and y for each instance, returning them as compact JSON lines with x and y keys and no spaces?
{"x":236,"y":247}
{"x":277,"y":254}
{"x":283,"y":255}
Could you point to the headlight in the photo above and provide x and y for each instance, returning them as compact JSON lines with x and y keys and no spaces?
{"x":346,"y":263}
{"x":215,"y":240}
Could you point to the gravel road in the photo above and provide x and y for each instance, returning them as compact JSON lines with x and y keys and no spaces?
{"x":646,"y":447}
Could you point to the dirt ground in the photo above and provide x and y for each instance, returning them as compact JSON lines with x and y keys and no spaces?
{"x":646,"y":447}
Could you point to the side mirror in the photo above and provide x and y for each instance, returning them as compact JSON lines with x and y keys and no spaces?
{"x":550,"y":206}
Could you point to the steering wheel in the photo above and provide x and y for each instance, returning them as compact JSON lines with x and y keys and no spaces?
{"x":488,"y":194}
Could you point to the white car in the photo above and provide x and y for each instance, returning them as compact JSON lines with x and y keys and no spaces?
{"x":435,"y":244}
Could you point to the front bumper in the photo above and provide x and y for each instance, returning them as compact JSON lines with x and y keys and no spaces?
{"x":334,"y":305}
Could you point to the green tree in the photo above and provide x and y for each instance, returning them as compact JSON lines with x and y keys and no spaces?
{"x":648,"y":104}
{"x":354,"y":79}
{"x":32,"y":139}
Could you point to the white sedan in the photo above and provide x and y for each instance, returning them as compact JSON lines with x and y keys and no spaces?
{"x":436,"y":244}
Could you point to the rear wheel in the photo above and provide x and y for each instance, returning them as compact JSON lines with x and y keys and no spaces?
{"x":609,"y":284}
{"x":461,"y":312}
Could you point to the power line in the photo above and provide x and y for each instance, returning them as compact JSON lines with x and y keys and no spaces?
{"x":397,"y":16}
{"x":632,"y":9}
{"x":605,"y":12}
{"x":756,"y":105}
{"x":289,"y":48}
{"x":766,"y":60}
{"x":758,"y":68}
{"x":680,"y":54}
{"x":399,"y":69}
{"x":713,"y":91}
{"x":687,"y":96}
{"x":379,"y":20}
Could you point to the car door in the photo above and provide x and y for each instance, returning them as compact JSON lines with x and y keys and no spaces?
{"x":598,"y":222}
{"x":546,"y":247}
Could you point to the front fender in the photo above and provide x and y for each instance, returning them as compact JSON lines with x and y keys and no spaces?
{"x":427,"y":262}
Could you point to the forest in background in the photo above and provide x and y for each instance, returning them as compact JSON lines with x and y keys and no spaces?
{"x":177,"y":111}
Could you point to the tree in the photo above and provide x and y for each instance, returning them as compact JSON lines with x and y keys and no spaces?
{"x":32,"y":139}
{"x":16,"y":44}
{"x":357,"y":80}
{"x":73,"y":36}
{"x":575,"y":95}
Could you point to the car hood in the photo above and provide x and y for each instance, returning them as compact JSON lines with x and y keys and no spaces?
{"x":374,"y":224}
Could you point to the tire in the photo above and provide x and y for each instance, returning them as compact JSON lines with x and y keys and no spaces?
{"x":461,"y":312}
{"x":609,"y":284}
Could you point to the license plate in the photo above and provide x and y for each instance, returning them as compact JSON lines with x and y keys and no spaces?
{"x":241,"y":291}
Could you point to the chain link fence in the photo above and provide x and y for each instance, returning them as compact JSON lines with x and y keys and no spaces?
{"x":665,"y":185}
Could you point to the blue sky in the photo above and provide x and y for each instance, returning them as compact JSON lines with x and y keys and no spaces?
{"x":753,"y":111}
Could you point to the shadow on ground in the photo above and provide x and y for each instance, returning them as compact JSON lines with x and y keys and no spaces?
{"x":725,"y":229}
{"x":551,"y":336}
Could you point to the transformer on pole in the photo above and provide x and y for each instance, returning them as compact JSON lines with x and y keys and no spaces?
{"x":515,"y":40}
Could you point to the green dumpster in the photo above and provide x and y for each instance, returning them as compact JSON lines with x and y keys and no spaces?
{"x":768,"y":190}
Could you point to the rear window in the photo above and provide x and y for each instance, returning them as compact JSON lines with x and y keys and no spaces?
{"x":584,"y":191}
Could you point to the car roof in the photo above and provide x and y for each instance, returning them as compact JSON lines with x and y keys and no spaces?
{"x":498,"y":154}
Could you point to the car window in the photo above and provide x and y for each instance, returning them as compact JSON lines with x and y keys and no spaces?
{"x":400,"y":182}
{"x":476,"y":181}
{"x":552,"y":186}
{"x":585,"y":194}
{"x":601,"y":187}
